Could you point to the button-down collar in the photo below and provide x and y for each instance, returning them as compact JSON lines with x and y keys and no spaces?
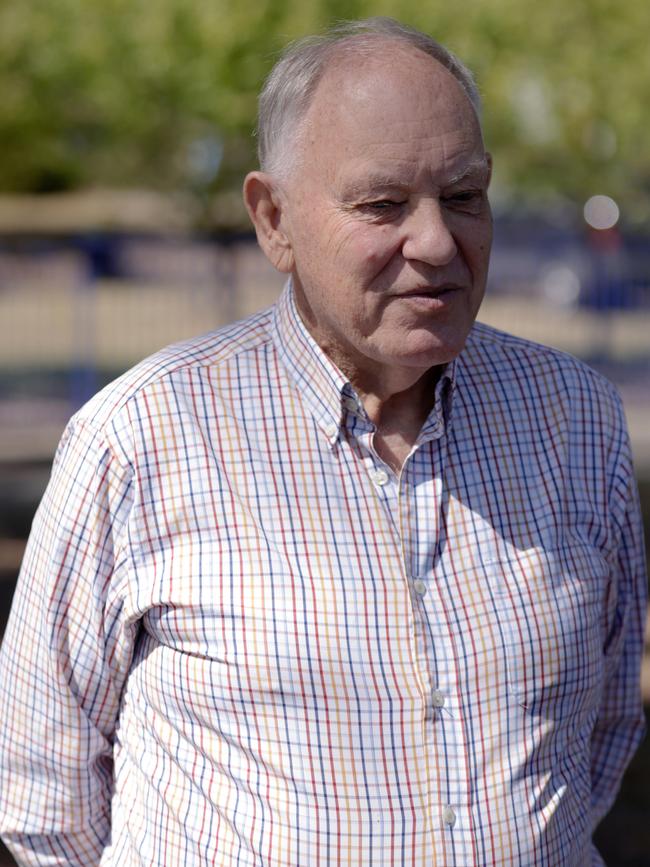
{"x":327,"y":392}
{"x":316,"y":377}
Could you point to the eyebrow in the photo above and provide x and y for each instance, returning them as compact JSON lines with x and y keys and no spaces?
{"x":380,"y":181}
{"x":475,"y":167}
{"x":371,"y":183}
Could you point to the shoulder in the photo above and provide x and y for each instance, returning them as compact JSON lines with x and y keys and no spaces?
{"x":174,"y":364}
{"x":151,"y":400}
{"x":516,"y":368}
{"x":553,"y":411}
{"x":510,"y":383}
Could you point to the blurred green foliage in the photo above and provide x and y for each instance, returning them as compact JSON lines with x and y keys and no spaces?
{"x":162,"y":93}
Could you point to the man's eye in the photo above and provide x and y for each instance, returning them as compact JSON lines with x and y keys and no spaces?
{"x":464,"y":197}
{"x":382,"y":204}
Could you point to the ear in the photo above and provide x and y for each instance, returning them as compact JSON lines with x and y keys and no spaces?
{"x":264,"y":203}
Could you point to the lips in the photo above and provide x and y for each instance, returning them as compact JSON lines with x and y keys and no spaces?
{"x":430,"y":300}
{"x":429,"y":291}
{"x":432,"y":290}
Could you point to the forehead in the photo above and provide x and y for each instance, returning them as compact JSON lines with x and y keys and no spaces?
{"x":396,"y":108}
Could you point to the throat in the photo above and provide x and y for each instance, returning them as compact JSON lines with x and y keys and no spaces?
{"x":399,"y":418}
{"x":393,"y":449}
{"x":398,"y":425}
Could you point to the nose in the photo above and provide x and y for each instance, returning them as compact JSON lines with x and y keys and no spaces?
{"x":427,"y":235}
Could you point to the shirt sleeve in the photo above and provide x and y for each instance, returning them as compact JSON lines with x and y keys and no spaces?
{"x":620,"y":725}
{"x":64,"y":659}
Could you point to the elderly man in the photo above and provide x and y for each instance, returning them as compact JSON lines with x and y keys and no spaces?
{"x":355,"y":581}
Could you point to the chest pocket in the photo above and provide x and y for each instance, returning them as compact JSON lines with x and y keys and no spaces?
{"x":549,"y":606}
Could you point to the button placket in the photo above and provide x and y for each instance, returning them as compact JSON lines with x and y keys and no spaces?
{"x":421,"y":492}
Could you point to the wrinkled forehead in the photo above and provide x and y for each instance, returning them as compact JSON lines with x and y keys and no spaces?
{"x":396,"y":105}
{"x":393,"y":78}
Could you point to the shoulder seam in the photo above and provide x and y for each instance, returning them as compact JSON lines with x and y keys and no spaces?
{"x":166,"y":367}
{"x":512,"y":342}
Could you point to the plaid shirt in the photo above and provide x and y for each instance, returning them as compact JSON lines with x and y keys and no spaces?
{"x":240,"y":639}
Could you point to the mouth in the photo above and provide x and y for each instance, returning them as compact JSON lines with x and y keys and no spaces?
{"x":430,"y":298}
{"x":430,"y":291}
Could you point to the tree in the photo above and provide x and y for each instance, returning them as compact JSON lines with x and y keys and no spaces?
{"x":163,"y":94}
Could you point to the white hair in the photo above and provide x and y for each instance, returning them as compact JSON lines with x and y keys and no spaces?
{"x":289,"y":88}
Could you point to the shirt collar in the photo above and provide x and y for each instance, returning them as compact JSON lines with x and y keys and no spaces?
{"x":438,"y":419}
{"x":326,"y":391}
{"x":317,"y":378}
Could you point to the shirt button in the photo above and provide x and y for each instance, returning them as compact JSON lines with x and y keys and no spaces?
{"x":420,"y":587}
{"x":380,"y":477}
{"x":449,"y":816}
{"x":437,"y":698}
{"x":331,"y":430}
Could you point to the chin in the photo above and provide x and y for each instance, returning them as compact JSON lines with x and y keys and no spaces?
{"x":442,"y":352}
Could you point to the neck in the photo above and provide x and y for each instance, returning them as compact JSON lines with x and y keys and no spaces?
{"x":399,"y":416}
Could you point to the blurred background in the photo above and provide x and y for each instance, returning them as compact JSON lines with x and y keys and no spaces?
{"x":126,"y":129}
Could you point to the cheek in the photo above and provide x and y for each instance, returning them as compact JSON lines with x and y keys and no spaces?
{"x":476,"y":247}
{"x":479,"y":253}
{"x":483,"y":241}
{"x":374,"y":248}
{"x":356,"y":251}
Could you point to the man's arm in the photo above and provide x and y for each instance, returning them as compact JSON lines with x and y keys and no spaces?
{"x":620,"y":724}
{"x":63,"y":662}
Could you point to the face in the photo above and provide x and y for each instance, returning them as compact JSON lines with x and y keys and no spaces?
{"x":387,"y":217}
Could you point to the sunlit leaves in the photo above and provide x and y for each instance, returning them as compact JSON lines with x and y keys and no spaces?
{"x":123,"y":92}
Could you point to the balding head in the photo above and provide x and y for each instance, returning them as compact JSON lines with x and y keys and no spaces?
{"x":290,"y":87}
